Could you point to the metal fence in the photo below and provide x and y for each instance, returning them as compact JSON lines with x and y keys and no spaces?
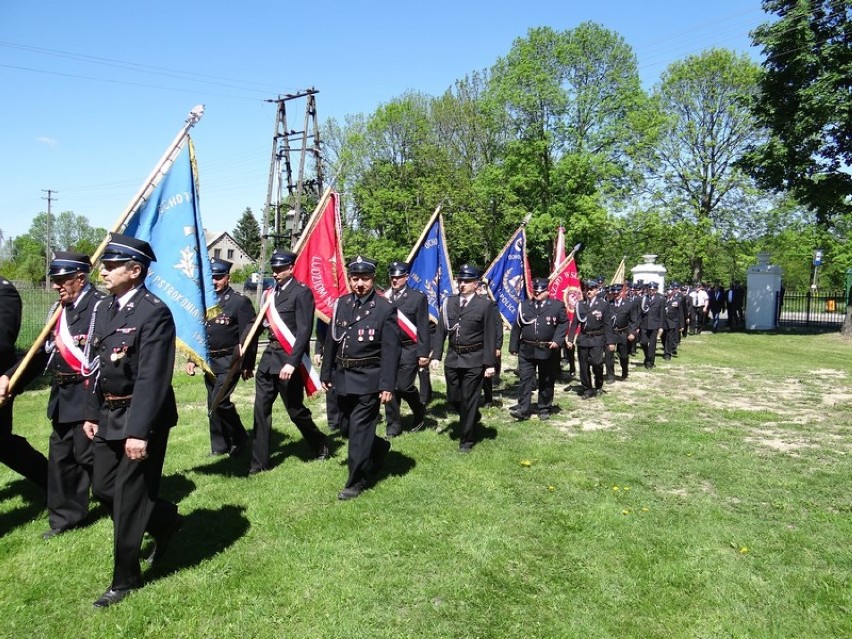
{"x":811,"y":309}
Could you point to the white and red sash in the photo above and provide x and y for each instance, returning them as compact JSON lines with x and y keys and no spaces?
{"x":69,"y":351}
{"x":286,"y":338}
{"x":405,"y":324}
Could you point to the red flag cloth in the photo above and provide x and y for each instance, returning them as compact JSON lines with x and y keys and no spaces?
{"x":320,"y":261}
{"x":565,"y":286}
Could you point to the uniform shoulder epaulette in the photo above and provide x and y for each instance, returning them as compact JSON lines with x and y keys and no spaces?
{"x":302,"y":284}
{"x":152,"y":298}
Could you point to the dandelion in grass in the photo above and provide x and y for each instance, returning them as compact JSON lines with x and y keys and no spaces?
{"x":626,"y":511}
{"x":615,"y":489}
{"x":644,"y":509}
{"x":743,"y":550}
{"x":551,"y":488}
{"x":526,"y":463}
{"x":627,"y":488}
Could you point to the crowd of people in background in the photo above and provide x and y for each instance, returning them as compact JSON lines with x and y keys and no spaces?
{"x":111,"y":359}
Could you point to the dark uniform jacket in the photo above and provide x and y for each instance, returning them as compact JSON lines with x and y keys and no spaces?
{"x":674,"y":309}
{"x":653,"y":311}
{"x":625,"y":318}
{"x":716,"y":300}
{"x":362,"y":347}
{"x":536,"y":327}
{"x":470,"y":333}
{"x":594,"y":321}
{"x":224,"y":330}
{"x":295,"y":305}
{"x":69,"y":393}
{"x":412,"y":303}
{"x":10,"y":322}
{"x":136,"y":353}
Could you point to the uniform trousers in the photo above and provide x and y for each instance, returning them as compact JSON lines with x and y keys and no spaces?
{"x":226,"y":427}
{"x":292,"y":392}
{"x":649,"y":345}
{"x":131,"y":488}
{"x":358,"y":417}
{"x":425,"y":385}
{"x":622,"y":349}
{"x":405,"y":390}
{"x":697,"y":319}
{"x":16,"y":452}
{"x":69,"y":475}
{"x":591,"y":360}
{"x":547,"y":369}
{"x":463,"y":388}
{"x":670,"y":341}
{"x":488,"y":382}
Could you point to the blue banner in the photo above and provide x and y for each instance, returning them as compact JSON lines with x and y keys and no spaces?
{"x":170,"y":221}
{"x":507,"y":277}
{"x":430,"y":268}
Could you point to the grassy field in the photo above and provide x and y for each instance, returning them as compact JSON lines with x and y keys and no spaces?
{"x":710,"y":497}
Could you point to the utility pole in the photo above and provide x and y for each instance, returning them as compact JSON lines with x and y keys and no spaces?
{"x":50,"y":197}
{"x":286,"y":142}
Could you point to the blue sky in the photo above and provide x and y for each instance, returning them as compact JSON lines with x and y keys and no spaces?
{"x":94,"y":91}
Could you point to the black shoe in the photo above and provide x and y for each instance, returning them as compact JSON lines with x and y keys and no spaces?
{"x":392,"y":432}
{"x":50,"y":533}
{"x":519,"y":415}
{"x":257,"y":471}
{"x":544,"y":416}
{"x":217,"y":453}
{"x":161,"y":543}
{"x":589,"y":393}
{"x":419,"y":422}
{"x":623,"y":377}
{"x":610,"y":379}
{"x":465,"y":447}
{"x":352,"y":491}
{"x":323,"y":453}
{"x":668,"y":358}
{"x":111,"y":597}
{"x":238,"y":448}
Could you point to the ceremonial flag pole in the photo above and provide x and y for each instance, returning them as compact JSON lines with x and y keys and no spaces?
{"x":565,"y":283}
{"x":138,"y":200}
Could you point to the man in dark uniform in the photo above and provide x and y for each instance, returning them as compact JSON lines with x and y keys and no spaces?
{"x":360,"y":362}
{"x":716,"y":304}
{"x":467,"y":323}
{"x":653,"y":309}
{"x":132,"y":410}
{"x":536,"y":338}
{"x":15,"y":451}
{"x":671,"y":322}
{"x":290,"y":319}
{"x":734,"y":301}
{"x":227,"y":433}
{"x":413,"y":320}
{"x":593,"y":319}
{"x":625,"y":319}
{"x":69,"y":469}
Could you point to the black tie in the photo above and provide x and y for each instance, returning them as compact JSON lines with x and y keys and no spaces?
{"x":463,"y":303}
{"x":113,"y":309}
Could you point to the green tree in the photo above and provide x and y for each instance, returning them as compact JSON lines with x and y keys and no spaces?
{"x":804,"y":103}
{"x":691,"y":169}
{"x":247,"y":234}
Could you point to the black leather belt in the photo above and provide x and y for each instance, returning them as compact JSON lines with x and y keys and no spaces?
{"x":117,"y":401}
{"x":408,"y":342}
{"x":536,"y":344}
{"x":221,"y":352}
{"x":594,"y":333}
{"x":64,"y":379}
{"x":467,"y":348}
{"x":622,"y":330}
{"x":359,"y":362}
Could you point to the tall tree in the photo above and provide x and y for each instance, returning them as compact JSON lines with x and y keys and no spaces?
{"x":804,"y":102}
{"x":692,"y":173}
{"x":247,"y":234}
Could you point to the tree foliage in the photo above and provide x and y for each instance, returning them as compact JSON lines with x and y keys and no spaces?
{"x":247,"y":234}
{"x":804,"y":102}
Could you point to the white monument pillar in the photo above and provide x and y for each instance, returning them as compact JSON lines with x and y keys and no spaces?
{"x":650,"y":272}
{"x":763,"y":289}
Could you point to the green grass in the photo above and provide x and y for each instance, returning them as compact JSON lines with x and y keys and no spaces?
{"x":708,"y":498}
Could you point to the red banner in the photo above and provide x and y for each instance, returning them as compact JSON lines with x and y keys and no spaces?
{"x":558,"y":249}
{"x":320,"y":261}
{"x":565,"y":286}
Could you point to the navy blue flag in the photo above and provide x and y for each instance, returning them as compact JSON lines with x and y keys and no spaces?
{"x":507,"y":277}
{"x":170,"y":221}
{"x":430,"y":267}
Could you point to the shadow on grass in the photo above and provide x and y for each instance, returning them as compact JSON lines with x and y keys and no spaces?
{"x":34,"y":504}
{"x":205,"y":533}
{"x":176,"y":487}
